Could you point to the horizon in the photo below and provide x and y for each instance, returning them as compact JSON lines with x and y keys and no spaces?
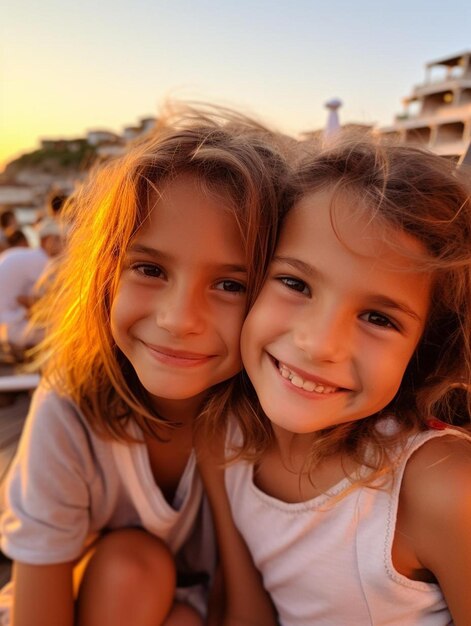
{"x":71,"y":69}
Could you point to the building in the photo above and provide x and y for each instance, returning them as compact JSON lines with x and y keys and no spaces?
{"x":63,"y":164}
{"x":438,"y":112}
{"x":13,"y":194}
{"x":97,"y":137}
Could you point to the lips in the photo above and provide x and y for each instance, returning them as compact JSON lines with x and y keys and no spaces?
{"x":177,"y":357}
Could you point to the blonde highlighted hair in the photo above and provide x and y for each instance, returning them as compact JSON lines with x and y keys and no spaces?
{"x":234,"y":157}
{"x":412,"y":190}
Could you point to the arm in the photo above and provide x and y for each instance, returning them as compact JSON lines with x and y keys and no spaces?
{"x":436,"y":498}
{"x":46,"y":519}
{"x":43,"y":595}
{"x":246,"y":601}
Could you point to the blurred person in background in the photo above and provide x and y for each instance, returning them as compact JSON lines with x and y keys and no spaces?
{"x":16,"y":238}
{"x":55,"y":202}
{"x":8,"y":221}
{"x":20,"y":270}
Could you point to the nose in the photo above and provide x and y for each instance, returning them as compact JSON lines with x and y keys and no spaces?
{"x":180,"y":311}
{"x":324,"y":335}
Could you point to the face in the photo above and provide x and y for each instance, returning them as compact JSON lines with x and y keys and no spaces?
{"x":52,"y":244}
{"x":181,"y":299}
{"x":331,"y":334}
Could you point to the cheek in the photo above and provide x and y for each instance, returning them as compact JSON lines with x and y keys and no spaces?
{"x":387,"y":371}
{"x":119,"y":316}
{"x":248,"y":337}
{"x":115,"y":325}
{"x":232,"y":329}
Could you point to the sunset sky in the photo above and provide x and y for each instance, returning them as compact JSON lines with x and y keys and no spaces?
{"x":68,"y":67}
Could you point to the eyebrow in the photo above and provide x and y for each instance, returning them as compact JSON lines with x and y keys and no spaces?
{"x":296,"y":264}
{"x":377,"y":299}
{"x":397,"y":305}
{"x":137,"y":248}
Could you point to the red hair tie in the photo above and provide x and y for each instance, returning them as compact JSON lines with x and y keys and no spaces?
{"x":436,"y":424}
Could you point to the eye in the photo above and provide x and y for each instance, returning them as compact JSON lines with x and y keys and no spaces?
{"x":373,"y":317}
{"x":295,"y":284}
{"x":148,"y":269}
{"x":231,"y":286}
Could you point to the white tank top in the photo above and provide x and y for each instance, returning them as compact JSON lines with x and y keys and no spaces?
{"x":332,"y":566}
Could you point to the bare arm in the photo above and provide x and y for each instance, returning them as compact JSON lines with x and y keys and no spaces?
{"x":43,"y":595}
{"x":436,"y":494}
{"x":246,"y":601}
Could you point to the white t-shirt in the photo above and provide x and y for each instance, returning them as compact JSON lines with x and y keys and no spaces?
{"x":20,"y":269}
{"x":329,"y":563}
{"x":67,"y":485}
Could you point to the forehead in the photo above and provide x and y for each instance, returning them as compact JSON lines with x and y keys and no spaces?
{"x":185,"y":215}
{"x":326,"y":220}
{"x":210,"y":180}
{"x":185,"y":189}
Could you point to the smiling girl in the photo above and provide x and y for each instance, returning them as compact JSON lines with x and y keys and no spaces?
{"x":168,"y":247}
{"x":352,"y":480}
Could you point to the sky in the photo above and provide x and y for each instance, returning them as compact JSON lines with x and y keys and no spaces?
{"x":70,"y":67}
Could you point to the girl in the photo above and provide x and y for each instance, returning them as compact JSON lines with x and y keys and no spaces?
{"x":354,"y":489}
{"x":168,"y":246}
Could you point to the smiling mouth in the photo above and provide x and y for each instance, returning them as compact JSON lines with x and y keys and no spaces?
{"x":306,"y":384}
{"x":177,"y":357}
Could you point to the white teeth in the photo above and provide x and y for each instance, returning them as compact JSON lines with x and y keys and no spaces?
{"x":284,"y":371}
{"x":300,"y":383}
{"x":308,"y":385}
{"x":297,"y":381}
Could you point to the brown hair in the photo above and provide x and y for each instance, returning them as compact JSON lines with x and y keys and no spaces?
{"x":16,"y":237}
{"x":420,"y":193}
{"x":232,"y":156}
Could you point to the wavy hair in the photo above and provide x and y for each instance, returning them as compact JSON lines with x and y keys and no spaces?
{"x":402,"y":188}
{"x":232,"y":156}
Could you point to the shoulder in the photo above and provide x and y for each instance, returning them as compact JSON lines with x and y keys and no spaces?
{"x":19,"y":253}
{"x":435,"y":507}
{"x":436,"y":492}
{"x":18,"y":260}
{"x":9,"y":258}
{"x":441,"y":464}
{"x":49,"y":484}
{"x":10,"y":253}
{"x":438,"y":472}
{"x":54,"y":428}
{"x":49,"y":406}
{"x":56,"y":457}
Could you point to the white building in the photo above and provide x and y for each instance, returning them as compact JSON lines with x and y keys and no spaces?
{"x":14,"y":194}
{"x":97,"y":137}
{"x":438,"y":112}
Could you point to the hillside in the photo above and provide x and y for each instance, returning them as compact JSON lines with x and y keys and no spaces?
{"x":58,"y":160}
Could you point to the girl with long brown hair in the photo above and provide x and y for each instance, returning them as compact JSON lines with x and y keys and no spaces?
{"x":167,"y":248}
{"x":349,"y":473}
